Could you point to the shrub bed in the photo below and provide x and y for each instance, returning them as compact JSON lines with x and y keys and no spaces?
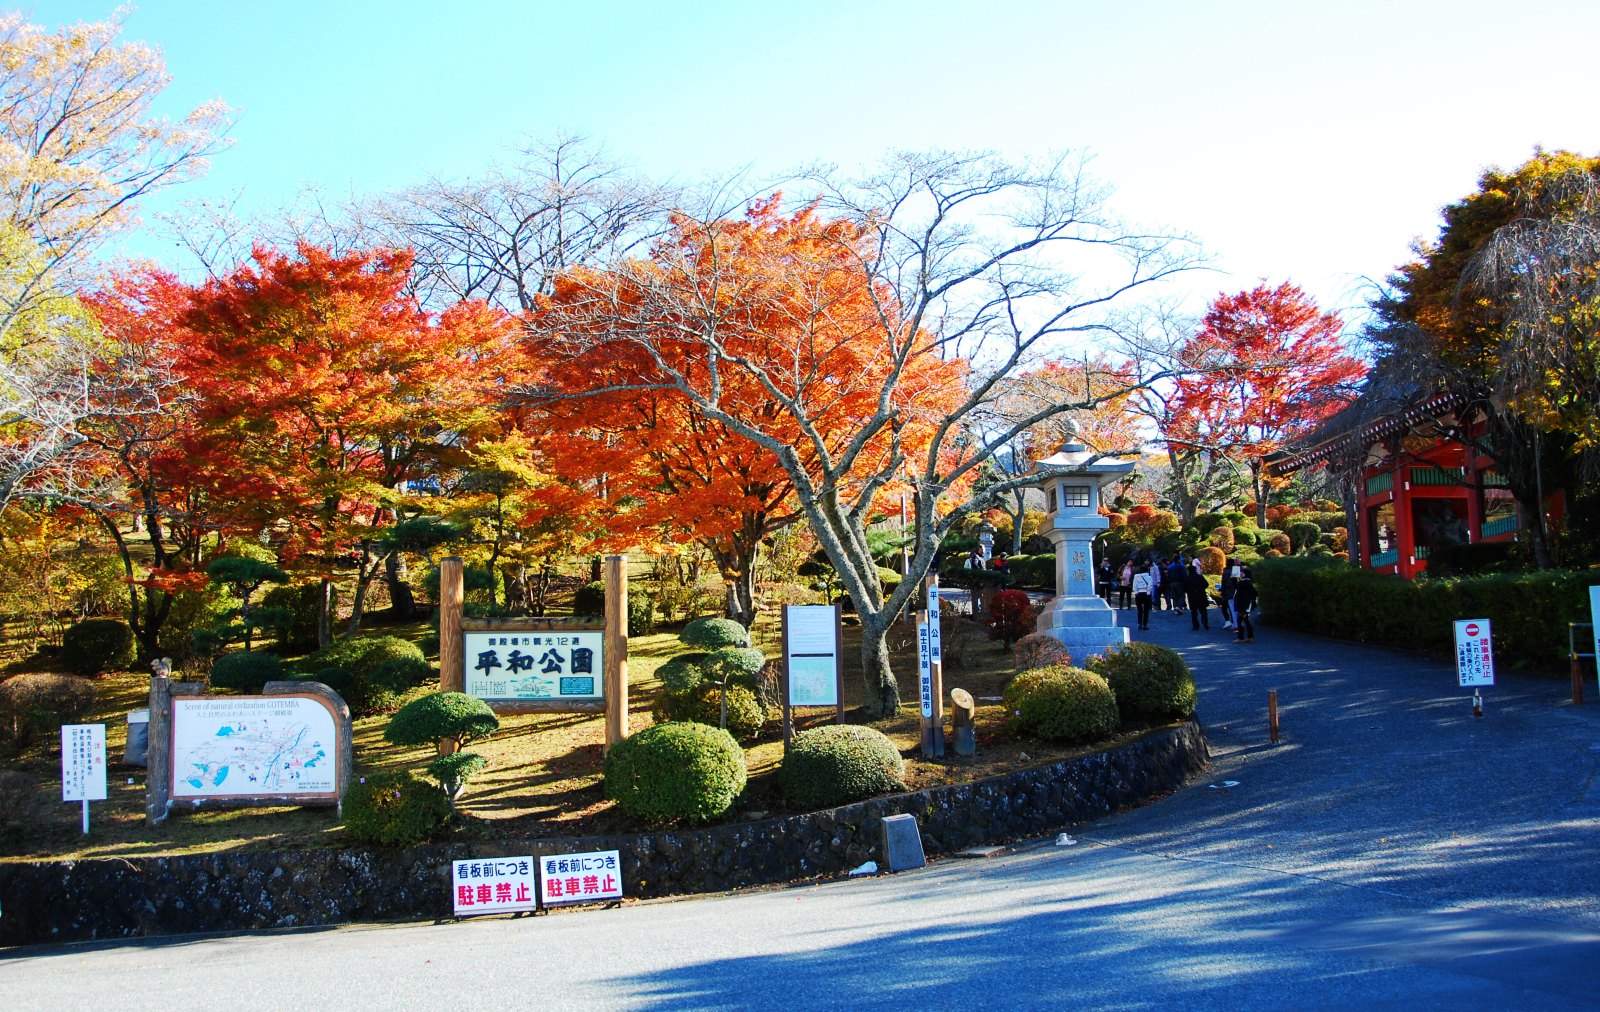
{"x":245,"y":671}
{"x":1150,"y":681}
{"x":394,"y":809}
{"x":703,"y":705}
{"x":97,"y":644}
{"x":1061,"y":704}
{"x":840,"y":763}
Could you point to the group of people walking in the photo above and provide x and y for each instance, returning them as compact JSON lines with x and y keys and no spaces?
{"x":1178,"y":586}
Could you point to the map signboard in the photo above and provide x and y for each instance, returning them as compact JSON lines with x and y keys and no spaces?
{"x":1474,"y":652}
{"x":812,"y":654}
{"x":501,"y":885}
{"x":580,"y":878}
{"x":254,"y":747}
{"x":535,"y":664}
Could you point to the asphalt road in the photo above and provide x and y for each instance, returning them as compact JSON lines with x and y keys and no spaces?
{"x":1392,"y":848}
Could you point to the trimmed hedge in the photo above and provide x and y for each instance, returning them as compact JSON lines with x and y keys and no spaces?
{"x":1040,"y":650}
{"x":394,"y":809}
{"x":1061,"y":704}
{"x":245,"y":671}
{"x":1151,"y":682}
{"x":1529,"y":612}
{"x":838,"y":764}
{"x":96,"y":645}
{"x":714,"y":634}
{"x":675,"y":772}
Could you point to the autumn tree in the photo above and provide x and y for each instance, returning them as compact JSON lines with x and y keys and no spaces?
{"x":948,"y":274}
{"x":1265,"y":367}
{"x":323,"y":381}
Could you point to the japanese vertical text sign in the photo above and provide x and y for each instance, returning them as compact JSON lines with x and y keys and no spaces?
{"x":1474,"y":652}
{"x":925,"y":663}
{"x":1594,"y":620}
{"x":521,"y":664}
{"x":501,"y":885}
{"x":812,"y":654}
{"x":580,"y":878}
{"x":935,"y":651}
{"x":83,"y":762}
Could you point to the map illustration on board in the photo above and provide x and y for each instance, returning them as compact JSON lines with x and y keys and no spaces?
{"x":251,"y":747}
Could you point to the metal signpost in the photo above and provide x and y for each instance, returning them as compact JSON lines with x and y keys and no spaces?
{"x":1474,"y":658}
{"x":813,"y":674}
{"x":83,"y":765}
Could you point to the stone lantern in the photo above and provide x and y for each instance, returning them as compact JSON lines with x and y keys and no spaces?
{"x":1073,"y":479}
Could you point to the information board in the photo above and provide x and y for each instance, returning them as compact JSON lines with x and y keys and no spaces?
{"x":580,"y":878}
{"x":501,"y":885}
{"x":254,"y":747}
{"x":1474,"y":652}
{"x":83,"y":762}
{"x":1594,"y":621}
{"x":812,"y":654}
{"x":547,"y":664}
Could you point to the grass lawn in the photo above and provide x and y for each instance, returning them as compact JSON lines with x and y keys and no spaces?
{"x":544,"y":775}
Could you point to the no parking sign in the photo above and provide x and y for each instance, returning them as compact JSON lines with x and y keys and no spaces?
{"x":1474,"y":652}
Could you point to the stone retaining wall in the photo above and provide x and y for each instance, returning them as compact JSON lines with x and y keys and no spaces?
{"x":63,"y":901}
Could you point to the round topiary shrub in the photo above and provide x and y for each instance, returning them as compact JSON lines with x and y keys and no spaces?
{"x":1151,"y":681}
{"x":394,"y":809}
{"x":245,"y":671}
{"x":1010,"y":616}
{"x":838,"y":764}
{"x":1062,"y":704}
{"x":714,"y":634}
{"x":681,"y":674}
{"x":36,"y":704}
{"x":703,"y":705}
{"x":675,"y":772}
{"x":439,"y":716}
{"x":402,"y":673}
{"x":337,"y":679}
{"x":1212,"y":560}
{"x":97,"y":644}
{"x":1040,"y":650}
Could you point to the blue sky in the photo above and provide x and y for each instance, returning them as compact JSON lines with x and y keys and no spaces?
{"x":1303,"y":142}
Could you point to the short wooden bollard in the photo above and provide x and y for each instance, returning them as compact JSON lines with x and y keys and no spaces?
{"x":1272,"y":714}
{"x":962,"y":729}
{"x":1577,"y":681}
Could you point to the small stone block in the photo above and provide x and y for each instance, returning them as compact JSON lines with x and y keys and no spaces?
{"x":902,"y":843}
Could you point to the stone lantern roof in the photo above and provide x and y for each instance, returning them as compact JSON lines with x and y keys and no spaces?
{"x":1073,"y":459}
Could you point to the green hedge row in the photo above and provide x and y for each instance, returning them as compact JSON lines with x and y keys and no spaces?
{"x":1528,"y":612}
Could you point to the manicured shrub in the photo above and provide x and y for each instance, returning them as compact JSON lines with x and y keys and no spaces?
{"x":453,"y":771}
{"x":246,"y":671}
{"x":439,"y":716}
{"x":1151,"y":682}
{"x":394,"y":809}
{"x":1280,"y":543}
{"x":1040,"y":650}
{"x":687,"y":772}
{"x":734,"y":665}
{"x":1062,"y":704}
{"x":377,"y":671}
{"x":1212,"y":560}
{"x":590,"y":599}
{"x":34,"y":705}
{"x":840,"y":763}
{"x":337,"y":679}
{"x":1206,"y":523}
{"x":1223,"y":538}
{"x":682,"y":673}
{"x":96,"y":645}
{"x":402,"y":673}
{"x":714,"y":634}
{"x":1010,"y":616}
{"x":1302,"y":536}
{"x":703,"y":704}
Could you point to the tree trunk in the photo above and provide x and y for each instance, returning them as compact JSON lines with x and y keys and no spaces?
{"x":325,"y":614}
{"x":882,"y":693}
{"x":1016,"y":522}
{"x":402,"y":603}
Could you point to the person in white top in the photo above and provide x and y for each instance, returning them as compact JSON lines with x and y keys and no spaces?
{"x":1143,"y":588}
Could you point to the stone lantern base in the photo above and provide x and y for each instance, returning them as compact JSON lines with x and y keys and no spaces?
{"x":1087,"y":625}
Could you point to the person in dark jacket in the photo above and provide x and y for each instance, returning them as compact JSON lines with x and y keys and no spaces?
{"x":1230,"y":577}
{"x":1195,"y":587}
{"x":1244,"y":598}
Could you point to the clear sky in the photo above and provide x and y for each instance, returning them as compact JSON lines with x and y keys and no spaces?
{"x":1297,"y":141}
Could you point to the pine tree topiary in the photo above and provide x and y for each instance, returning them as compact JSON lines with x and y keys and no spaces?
{"x":714,"y":634}
{"x":441,"y":717}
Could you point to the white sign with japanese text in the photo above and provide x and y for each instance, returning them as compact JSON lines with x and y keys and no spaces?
{"x":580,"y":878}
{"x":1474,"y":652}
{"x":934,"y":646}
{"x":925,"y":665}
{"x":1594,"y":620}
{"x":812,"y":632}
{"x":556,"y":664}
{"x":83,"y":762}
{"x":498,"y":885}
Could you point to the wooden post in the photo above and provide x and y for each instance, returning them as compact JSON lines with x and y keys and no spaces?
{"x":452,"y":666}
{"x":783,"y":681}
{"x":963,"y":732}
{"x":1577,"y":679}
{"x":1272,"y":714}
{"x":158,"y":752}
{"x":616,"y":649}
{"x":838,"y":664}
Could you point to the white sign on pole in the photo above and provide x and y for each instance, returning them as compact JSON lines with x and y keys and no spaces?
{"x":925,"y":665}
{"x":934,"y":647}
{"x":1474,"y":652}
{"x":83,"y":762}
{"x":1594,"y":620}
{"x":558,"y":664}
{"x":813,"y":654}
{"x":254,"y":747}
{"x":501,"y":885}
{"x":580,"y":878}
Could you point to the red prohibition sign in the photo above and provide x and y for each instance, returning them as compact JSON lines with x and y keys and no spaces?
{"x":1472,"y":628}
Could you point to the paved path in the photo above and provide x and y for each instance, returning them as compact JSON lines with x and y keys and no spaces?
{"x":1391,"y":849}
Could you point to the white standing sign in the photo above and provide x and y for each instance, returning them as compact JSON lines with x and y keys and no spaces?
{"x":499,"y":885}
{"x":580,"y":878}
{"x":83,"y":762}
{"x":556,"y":664}
{"x":812,"y":647}
{"x":1594,"y":621}
{"x":1474,"y":652}
{"x":925,"y":665}
{"x":934,"y":647}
